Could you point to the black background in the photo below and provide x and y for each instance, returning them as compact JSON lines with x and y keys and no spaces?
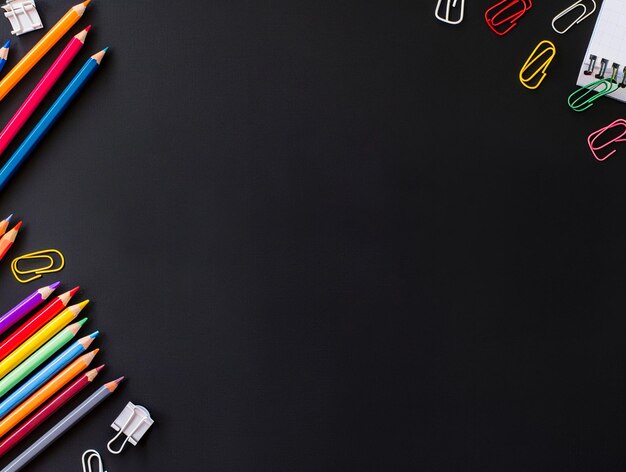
{"x":334,"y":235}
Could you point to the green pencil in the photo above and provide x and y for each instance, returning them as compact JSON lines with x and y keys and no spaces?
{"x":40,"y":356}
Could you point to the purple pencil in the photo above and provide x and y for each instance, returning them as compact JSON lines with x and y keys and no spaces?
{"x":26,"y":306}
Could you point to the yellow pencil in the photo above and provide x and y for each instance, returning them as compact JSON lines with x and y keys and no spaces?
{"x":41,"y":48}
{"x":40,"y":338}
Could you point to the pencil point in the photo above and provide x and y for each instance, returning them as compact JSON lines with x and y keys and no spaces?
{"x":119,"y":381}
{"x":7,"y":45}
{"x":8,"y":218}
{"x":94,"y":334}
{"x":76,"y":309}
{"x":99,"y":368}
{"x":17,"y":226}
{"x":81,"y":322}
{"x":88,"y":28}
{"x":85,"y":3}
{"x":54,"y":285}
{"x":74,"y":290}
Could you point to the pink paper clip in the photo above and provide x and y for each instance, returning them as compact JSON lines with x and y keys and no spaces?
{"x":511,"y":10}
{"x":619,"y":138}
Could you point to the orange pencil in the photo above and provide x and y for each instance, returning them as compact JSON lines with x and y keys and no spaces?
{"x":41,"y":48}
{"x":8,"y":239}
{"x":4,"y":224}
{"x":45,"y":392}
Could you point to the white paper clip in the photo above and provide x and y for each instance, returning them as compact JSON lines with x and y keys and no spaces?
{"x":586,"y":13}
{"x":23,"y":16}
{"x":451,"y":18}
{"x":133,"y":421}
{"x":87,"y":458}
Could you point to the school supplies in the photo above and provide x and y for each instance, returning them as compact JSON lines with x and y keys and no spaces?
{"x":4,"y":224}
{"x":8,"y":239}
{"x":88,"y":457}
{"x":617,"y":134}
{"x":49,"y":370}
{"x":51,"y":116}
{"x":23,"y":16}
{"x":133,"y":422}
{"x":35,"y":322}
{"x":502,"y":17}
{"x":62,"y":426}
{"x":38,"y":271}
{"x":606,"y":52}
{"x":45,"y":392}
{"x":4,"y":54}
{"x":40,"y":91}
{"x":40,"y":337}
{"x":444,"y":14}
{"x":26,"y":306}
{"x":41,"y":48}
{"x":586,"y":13}
{"x":584,"y":97}
{"x":41,"y":415}
{"x":41,"y":355}
{"x":543,"y":54}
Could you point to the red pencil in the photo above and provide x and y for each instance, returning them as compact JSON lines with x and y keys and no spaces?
{"x":35,"y":322}
{"x":47,"y":410}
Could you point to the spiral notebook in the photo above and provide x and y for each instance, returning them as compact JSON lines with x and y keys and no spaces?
{"x":608,"y":47}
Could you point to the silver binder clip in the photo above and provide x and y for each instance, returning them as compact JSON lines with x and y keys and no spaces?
{"x":446,"y":17}
{"x":133,"y":421}
{"x":584,"y":15}
{"x":23,"y":16}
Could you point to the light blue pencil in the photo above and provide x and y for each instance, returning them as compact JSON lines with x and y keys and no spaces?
{"x":52,"y":115}
{"x":54,"y":366}
{"x":4,"y":54}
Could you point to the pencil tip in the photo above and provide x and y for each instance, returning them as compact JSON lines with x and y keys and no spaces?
{"x":7,"y":44}
{"x":54,"y":285}
{"x":94,"y":334}
{"x":118,"y":381}
{"x":8,"y":218}
{"x":17,"y":226}
{"x":88,"y":28}
{"x":86,"y":2}
{"x":81,"y":322}
{"x":79,"y":306}
{"x":74,"y":290}
{"x":100,"y":367}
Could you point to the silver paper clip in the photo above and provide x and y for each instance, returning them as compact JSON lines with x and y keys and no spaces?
{"x":133,"y":421}
{"x":446,"y":18}
{"x":584,"y":15}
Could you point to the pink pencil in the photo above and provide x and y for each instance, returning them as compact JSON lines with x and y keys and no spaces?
{"x":41,"y":89}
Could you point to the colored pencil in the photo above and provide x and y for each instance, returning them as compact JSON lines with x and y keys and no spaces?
{"x":46,"y":411}
{"x":41,"y":48}
{"x":33,"y":383}
{"x":40,"y":91}
{"x":44,"y":393}
{"x":4,"y":54}
{"x":4,"y":224}
{"x":62,"y":426}
{"x":51,"y":116}
{"x":26,"y":306}
{"x":35,"y":322}
{"x":8,"y":239}
{"x":37,"y":340}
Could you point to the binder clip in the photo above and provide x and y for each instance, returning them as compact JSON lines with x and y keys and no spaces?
{"x":583,"y":16}
{"x":506,"y":12}
{"x":585,"y":96}
{"x":133,"y":421}
{"x":545,"y":55}
{"x":617,"y":138}
{"x":457,"y":18}
{"x":23,"y":16}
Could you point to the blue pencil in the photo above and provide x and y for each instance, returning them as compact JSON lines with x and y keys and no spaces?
{"x":51,"y":116}
{"x":4,"y":54}
{"x":46,"y":373}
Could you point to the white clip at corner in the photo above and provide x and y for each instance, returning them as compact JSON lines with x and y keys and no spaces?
{"x":133,"y":421}
{"x":86,"y":459}
{"x":23,"y":16}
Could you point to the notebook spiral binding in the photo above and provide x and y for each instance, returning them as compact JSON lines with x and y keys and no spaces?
{"x":604,"y":63}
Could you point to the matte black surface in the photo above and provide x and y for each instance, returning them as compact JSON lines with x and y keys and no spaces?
{"x":334,"y":235}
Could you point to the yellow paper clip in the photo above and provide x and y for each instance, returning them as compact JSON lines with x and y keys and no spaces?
{"x":546,"y":55}
{"x":48,"y":269}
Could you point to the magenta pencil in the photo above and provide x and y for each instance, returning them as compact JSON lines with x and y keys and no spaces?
{"x":41,"y":89}
{"x":26,"y":306}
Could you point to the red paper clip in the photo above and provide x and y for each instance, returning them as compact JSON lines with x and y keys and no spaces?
{"x":617,"y":138}
{"x":506,"y":12}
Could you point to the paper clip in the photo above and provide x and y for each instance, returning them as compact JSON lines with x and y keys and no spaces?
{"x":86,"y":459}
{"x":518,"y":7}
{"x":446,"y":18}
{"x":531,"y":82}
{"x":583,"y":16}
{"x":586,"y":95}
{"x":133,"y":421}
{"x":47,"y":269}
{"x":620,"y":138}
